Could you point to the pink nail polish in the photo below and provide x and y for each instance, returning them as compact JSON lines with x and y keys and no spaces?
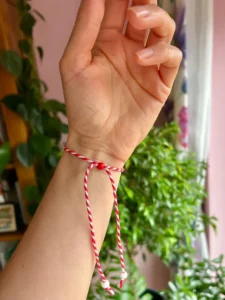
{"x":145,"y":53}
{"x":140,"y":11}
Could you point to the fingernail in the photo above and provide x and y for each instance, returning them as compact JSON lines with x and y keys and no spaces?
{"x":140,"y":11}
{"x":145,"y":53}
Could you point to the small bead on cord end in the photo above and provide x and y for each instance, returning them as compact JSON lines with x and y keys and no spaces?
{"x":123,"y":277}
{"x":106,"y":286}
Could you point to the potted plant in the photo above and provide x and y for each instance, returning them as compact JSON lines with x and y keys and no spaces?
{"x":41,"y":115}
{"x":159,"y":196}
{"x":199,"y":281}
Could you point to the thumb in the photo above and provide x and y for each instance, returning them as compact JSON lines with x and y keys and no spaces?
{"x":85,"y":32}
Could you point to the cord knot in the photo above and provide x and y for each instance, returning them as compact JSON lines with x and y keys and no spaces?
{"x":101,"y":166}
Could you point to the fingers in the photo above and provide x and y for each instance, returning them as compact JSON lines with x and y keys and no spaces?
{"x":165,"y":55}
{"x":85,"y":32}
{"x":115,"y":14}
{"x":134,"y":33}
{"x":152,"y":17}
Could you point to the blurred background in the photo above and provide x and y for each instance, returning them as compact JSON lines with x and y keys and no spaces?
{"x":196,"y":105}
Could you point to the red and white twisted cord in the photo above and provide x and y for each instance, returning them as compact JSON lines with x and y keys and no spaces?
{"x":108,"y":169}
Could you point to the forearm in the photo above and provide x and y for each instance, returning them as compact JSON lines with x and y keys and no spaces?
{"x":56,"y":250}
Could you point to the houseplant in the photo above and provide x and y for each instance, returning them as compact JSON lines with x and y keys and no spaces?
{"x":42,"y":115}
{"x":199,"y":281}
{"x":158,"y":199}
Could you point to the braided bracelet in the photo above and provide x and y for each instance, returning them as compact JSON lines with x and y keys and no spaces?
{"x":102,"y":167}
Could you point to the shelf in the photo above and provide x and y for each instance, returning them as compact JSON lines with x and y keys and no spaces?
{"x":11,"y":236}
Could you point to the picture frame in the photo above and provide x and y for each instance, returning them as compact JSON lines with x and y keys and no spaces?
{"x":7,"y":218}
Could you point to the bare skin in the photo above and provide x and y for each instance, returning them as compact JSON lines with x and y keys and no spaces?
{"x":114,"y":90}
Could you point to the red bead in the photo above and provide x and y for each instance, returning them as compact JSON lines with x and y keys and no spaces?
{"x":101,"y":166}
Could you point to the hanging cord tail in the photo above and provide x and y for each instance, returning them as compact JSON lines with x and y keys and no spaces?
{"x":123,"y":275}
{"x":102,"y":166}
{"x":105,"y":282}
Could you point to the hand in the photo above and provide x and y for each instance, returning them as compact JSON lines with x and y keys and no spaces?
{"x":115,"y":87}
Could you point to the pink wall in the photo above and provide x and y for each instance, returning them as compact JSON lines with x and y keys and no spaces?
{"x":53,"y":36}
{"x":217,"y":144}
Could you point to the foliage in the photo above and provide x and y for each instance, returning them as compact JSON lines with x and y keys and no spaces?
{"x":42,"y":116}
{"x":133,"y":287}
{"x":159,"y":196}
{"x":11,"y":61}
{"x":4,"y":156}
{"x":199,"y":281}
{"x":154,"y":294}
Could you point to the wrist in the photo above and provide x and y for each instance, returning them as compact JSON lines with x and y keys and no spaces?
{"x":76,"y":168}
{"x":94,"y":151}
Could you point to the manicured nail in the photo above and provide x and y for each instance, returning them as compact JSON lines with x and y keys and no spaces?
{"x":140,"y":11}
{"x":145,"y":53}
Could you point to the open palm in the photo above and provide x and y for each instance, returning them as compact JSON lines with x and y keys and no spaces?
{"x":115,"y":89}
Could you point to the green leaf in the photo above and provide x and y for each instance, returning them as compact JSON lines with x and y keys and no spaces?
{"x":28,"y":7}
{"x":27,"y":23}
{"x":27,"y":67}
{"x":172,"y":286}
{"x":20,"y":105}
{"x":151,"y":220}
{"x":214,"y":226}
{"x":129,"y":192}
{"x":52,"y":126}
{"x":32,"y":193}
{"x":25,"y":155}
{"x":25,"y":46}
{"x":41,"y":144}
{"x":44,"y":86}
{"x":13,"y":101}
{"x":40,"y":52}
{"x":55,"y":106}
{"x":218,"y":260}
{"x":21,"y":4}
{"x":33,"y":197}
{"x":22,"y":111}
{"x":32,"y":97}
{"x":39,"y":15}
{"x":147,"y":297}
{"x":32,"y":208}
{"x":127,"y":165}
{"x":64,"y":128}
{"x":36,"y":121}
{"x":4,"y":156}
{"x":53,"y":159}
{"x":11,"y":61}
